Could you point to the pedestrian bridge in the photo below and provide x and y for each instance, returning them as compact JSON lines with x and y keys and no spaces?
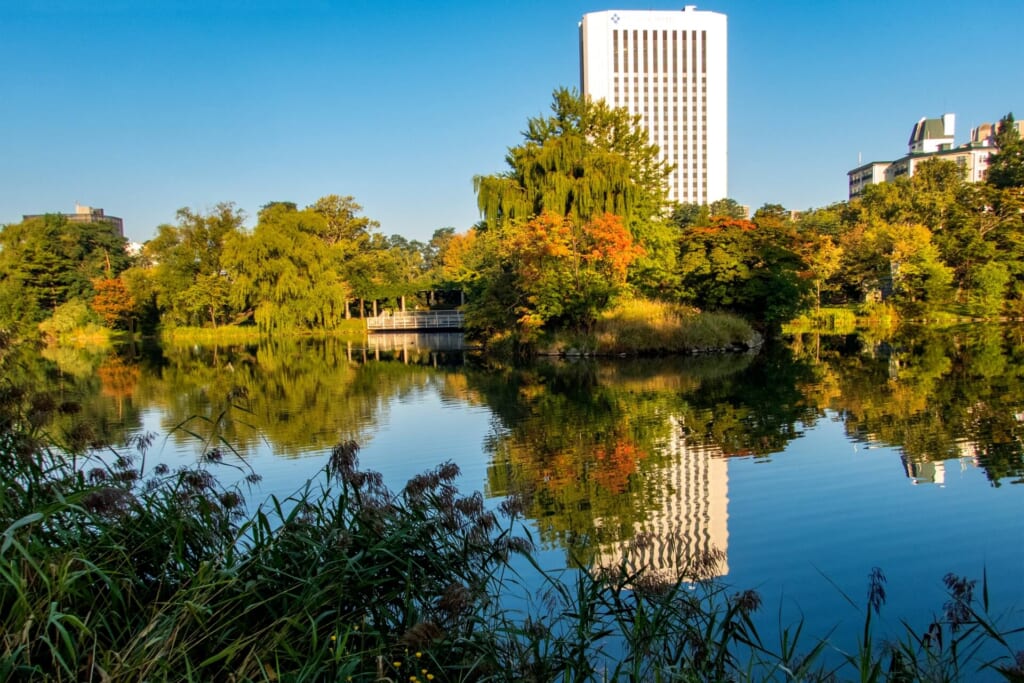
{"x":416,"y":320}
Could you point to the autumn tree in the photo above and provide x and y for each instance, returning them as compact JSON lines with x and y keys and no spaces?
{"x":454,"y":259}
{"x":551,"y":272}
{"x":112,"y":302}
{"x":740,"y":266}
{"x":899,"y":260}
{"x":584,"y":160}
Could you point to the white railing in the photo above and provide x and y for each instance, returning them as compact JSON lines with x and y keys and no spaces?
{"x":417,"y":320}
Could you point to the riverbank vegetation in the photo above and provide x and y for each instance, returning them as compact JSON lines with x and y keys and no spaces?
{"x":636,"y":326}
{"x":578,"y":222}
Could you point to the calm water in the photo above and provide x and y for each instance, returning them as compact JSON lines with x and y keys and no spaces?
{"x":806,"y":465}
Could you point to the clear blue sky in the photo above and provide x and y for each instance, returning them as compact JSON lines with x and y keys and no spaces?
{"x":143,"y":107}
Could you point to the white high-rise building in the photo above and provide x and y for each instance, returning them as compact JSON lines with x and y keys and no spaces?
{"x":668,"y":67}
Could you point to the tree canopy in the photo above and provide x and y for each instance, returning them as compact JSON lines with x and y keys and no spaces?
{"x":48,"y":260}
{"x":584,"y":160}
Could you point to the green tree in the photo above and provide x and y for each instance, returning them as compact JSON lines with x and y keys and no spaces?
{"x":827,"y":220}
{"x":740,"y":266}
{"x":988,"y":290}
{"x":1006,"y":166}
{"x":686,"y":215}
{"x":185,"y":270}
{"x":286,"y":272}
{"x":584,"y":160}
{"x":727,"y":207}
{"x":47,"y":261}
{"x":343,"y":225}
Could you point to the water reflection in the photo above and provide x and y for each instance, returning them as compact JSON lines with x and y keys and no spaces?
{"x":792,"y":470}
{"x":603,"y":454}
{"x":685,"y":532}
{"x":937,"y":395}
{"x":600,"y":457}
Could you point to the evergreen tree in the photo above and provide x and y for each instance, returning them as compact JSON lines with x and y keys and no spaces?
{"x":1006,"y":167}
{"x":47,"y":261}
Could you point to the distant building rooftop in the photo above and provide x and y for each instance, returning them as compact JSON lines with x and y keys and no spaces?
{"x":87,"y":214}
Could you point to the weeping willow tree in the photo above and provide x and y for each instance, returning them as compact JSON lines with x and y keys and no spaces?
{"x":583,"y":161}
{"x":286,"y":273}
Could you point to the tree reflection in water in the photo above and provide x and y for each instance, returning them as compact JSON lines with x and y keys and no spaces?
{"x":602,"y":453}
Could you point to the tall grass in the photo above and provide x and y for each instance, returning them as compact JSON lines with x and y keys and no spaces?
{"x":877,"y":317}
{"x":250,"y":334}
{"x":110,"y":573}
{"x":637,"y":326}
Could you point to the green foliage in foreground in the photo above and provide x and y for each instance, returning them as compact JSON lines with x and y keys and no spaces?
{"x":114,"y":573}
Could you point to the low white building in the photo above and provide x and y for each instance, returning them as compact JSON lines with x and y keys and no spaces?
{"x":932,"y":139}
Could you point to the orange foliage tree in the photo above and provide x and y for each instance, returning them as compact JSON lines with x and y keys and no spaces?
{"x":112,"y":301}
{"x":561,"y":273}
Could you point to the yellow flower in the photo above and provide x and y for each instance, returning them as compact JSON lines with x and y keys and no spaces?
{"x":397,"y":665}
{"x":430,"y":677}
{"x":423,"y":671}
{"x":334,"y":637}
{"x":418,"y":655}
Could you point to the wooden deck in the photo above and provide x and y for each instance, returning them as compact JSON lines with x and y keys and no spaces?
{"x":416,"y":320}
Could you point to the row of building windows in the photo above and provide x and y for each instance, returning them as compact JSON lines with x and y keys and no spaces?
{"x":645,"y":44}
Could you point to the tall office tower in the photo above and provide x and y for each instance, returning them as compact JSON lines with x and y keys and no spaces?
{"x":668,"y":67}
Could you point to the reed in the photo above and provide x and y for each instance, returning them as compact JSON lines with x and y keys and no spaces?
{"x":112,"y":573}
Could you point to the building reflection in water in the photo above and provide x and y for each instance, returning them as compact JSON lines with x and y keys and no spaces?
{"x":686,"y":530}
{"x":925,"y":472}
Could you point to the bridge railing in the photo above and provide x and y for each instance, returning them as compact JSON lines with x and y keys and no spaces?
{"x":417,"y":320}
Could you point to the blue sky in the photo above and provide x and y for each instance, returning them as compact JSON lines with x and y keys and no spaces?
{"x":143,"y":107}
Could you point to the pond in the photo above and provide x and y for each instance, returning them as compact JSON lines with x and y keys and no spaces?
{"x":796,"y":471}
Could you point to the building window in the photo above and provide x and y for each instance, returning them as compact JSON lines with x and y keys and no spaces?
{"x":703,"y":52}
